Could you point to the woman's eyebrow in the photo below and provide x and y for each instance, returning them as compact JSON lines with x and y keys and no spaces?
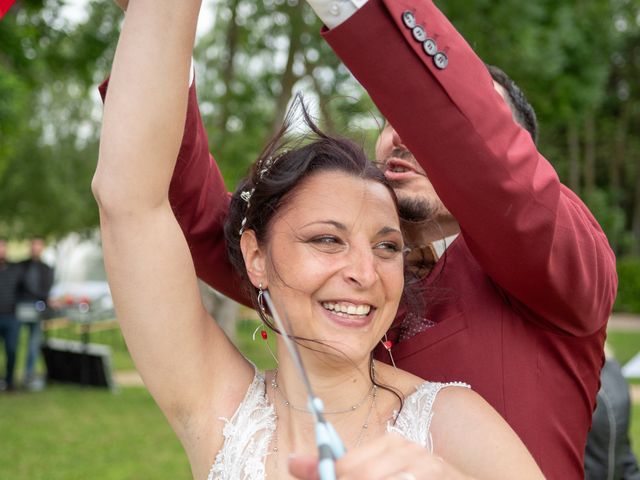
{"x":338,"y":225}
{"x":386,"y":230}
{"x":341,"y":226}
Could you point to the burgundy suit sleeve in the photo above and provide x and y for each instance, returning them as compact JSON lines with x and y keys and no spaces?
{"x":200,"y":202}
{"x":530,"y":234}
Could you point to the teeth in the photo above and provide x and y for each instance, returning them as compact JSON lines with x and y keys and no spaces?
{"x":348,"y":309}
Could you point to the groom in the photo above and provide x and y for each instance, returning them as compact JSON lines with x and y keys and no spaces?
{"x":515,"y":283}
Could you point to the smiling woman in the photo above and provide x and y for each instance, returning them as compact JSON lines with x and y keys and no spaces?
{"x":325,"y":209}
{"x":316,"y":225}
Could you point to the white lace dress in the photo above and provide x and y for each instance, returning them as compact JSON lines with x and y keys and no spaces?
{"x":248,"y":433}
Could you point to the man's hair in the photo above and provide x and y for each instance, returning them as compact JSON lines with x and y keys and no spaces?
{"x":522,"y":110}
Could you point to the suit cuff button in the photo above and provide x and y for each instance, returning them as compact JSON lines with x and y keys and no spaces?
{"x":430,"y":47}
{"x":419,"y":33}
{"x":408,"y":19}
{"x":441,"y":60}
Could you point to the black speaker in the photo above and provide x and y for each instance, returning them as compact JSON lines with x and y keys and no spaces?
{"x":71,"y":361}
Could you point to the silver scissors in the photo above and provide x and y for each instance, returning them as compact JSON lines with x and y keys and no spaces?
{"x":330,"y":447}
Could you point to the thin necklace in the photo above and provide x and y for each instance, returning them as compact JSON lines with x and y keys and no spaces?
{"x":278,"y":392}
{"x":374,"y":394}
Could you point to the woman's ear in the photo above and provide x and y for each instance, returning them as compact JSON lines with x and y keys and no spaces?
{"x":254,"y":259}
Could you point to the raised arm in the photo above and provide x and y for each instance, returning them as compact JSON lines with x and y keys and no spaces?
{"x":177,"y":348}
{"x":531,"y":234}
{"x":200,"y":200}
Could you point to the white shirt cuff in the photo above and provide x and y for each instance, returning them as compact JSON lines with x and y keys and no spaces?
{"x":334,"y":12}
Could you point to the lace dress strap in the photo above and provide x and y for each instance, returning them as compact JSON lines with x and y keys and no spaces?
{"x":246,"y":437}
{"x":414,"y":420}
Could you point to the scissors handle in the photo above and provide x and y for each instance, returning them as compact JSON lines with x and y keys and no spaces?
{"x":330,"y":448}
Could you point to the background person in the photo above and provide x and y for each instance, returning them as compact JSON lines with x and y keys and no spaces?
{"x":608,"y":455}
{"x":10,"y":278}
{"x":33,"y":297}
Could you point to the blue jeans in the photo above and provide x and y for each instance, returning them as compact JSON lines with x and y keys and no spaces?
{"x":33,"y":348}
{"x":9,"y":330}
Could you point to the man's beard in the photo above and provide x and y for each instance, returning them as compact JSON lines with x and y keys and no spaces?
{"x":412,"y":209}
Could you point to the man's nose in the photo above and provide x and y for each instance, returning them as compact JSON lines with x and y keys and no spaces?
{"x":396,"y":140}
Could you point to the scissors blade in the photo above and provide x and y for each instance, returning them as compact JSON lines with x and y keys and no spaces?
{"x":330,"y":447}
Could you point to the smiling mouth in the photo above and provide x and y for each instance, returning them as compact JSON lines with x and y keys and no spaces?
{"x":346,"y":310}
{"x":398,"y":169}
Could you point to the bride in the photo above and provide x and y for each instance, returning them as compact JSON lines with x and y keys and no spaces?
{"x":315,"y":226}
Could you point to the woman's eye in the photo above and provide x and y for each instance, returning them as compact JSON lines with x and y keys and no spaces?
{"x":327,"y":242}
{"x":388,"y":249}
{"x":324,"y":240}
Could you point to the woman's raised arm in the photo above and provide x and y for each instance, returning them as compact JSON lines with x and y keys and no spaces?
{"x":176,"y":346}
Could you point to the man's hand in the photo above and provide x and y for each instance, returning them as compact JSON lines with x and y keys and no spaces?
{"x":123,"y":4}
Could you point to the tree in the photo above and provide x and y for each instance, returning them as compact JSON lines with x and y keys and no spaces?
{"x":577,"y":61}
{"x":250,"y":65}
{"x":49,"y":122}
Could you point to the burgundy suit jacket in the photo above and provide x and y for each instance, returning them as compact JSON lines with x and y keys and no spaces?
{"x":518,"y":306}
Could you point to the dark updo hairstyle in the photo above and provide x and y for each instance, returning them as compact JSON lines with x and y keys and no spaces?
{"x":280,"y":169}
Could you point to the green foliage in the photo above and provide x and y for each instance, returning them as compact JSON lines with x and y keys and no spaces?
{"x":49,"y":122}
{"x":628,"y":299}
{"x":611,"y":216}
{"x":578,"y":62}
{"x":259,"y":55}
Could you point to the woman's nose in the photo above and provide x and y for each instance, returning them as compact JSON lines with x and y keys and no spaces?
{"x":361,"y":267}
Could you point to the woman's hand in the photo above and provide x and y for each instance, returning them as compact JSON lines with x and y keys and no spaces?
{"x":388,"y":457}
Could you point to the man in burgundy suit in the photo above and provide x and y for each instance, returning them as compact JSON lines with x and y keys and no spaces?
{"x":518,"y":299}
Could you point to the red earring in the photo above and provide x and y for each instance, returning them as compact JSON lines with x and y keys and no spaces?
{"x":387,"y":344}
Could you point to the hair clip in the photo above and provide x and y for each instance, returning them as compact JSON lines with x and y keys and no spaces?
{"x":246,"y":195}
{"x":265,"y":168}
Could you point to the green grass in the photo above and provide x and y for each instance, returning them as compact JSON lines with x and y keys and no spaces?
{"x":634,"y":429}
{"x":625,"y":345}
{"x":69,"y":432}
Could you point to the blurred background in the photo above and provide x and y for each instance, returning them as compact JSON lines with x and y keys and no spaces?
{"x":577,"y":61}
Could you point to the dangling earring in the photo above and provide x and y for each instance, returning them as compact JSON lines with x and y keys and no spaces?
{"x":387,"y":344}
{"x":260,"y":299}
{"x":262,"y":327}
